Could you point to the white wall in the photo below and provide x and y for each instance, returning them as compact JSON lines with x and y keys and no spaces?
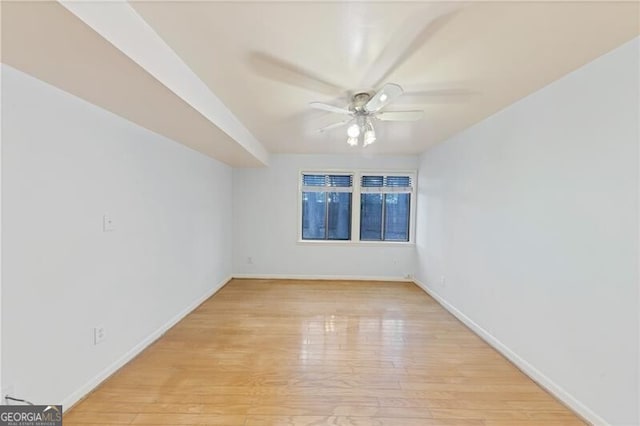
{"x":65,"y":163}
{"x":265,"y":224}
{"x":3,"y":394}
{"x":532,"y":218}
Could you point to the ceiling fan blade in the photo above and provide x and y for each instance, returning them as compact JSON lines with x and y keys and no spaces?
{"x":404,"y":43}
{"x":334,"y":125}
{"x":284,"y":72}
{"x":330,"y":108}
{"x":432,"y":96}
{"x":400,"y":115}
{"x":387,"y":94}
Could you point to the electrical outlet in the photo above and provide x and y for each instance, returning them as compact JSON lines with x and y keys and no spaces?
{"x":98,"y":335}
{"x":7,"y":390}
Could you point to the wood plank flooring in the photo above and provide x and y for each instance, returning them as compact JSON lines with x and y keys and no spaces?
{"x":273,"y":352}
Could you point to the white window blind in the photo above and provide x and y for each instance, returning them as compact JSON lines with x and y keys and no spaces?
{"x":331,"y":183}
{"x":386,"y":184}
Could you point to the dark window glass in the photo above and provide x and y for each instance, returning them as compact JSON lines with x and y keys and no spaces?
{"x":396,"y":219}
{"x":339,"y":210}
{"x":371,"y":217}
{"x":385,"y":208}
{"x":313,"y":215}
{"x":326,"y":213}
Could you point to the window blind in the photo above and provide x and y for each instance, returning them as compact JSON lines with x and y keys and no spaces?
{"x":386,"y":184}
{"x":327,"y":183}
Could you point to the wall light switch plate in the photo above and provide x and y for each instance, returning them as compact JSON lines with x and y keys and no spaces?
{"x":98,"y":335}
{"x":107,"y":223}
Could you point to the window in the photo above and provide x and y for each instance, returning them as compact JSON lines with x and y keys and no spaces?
{"x":326,"y":206}
{"x":330,"y":200}
{"x":385,"y":208}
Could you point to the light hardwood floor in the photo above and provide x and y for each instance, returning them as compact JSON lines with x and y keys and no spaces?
{"x":273,"y":352}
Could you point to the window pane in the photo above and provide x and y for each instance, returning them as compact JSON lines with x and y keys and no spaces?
{"x":396,"y":223}
{"x":313,"y":215}
{"x":339,"y":215}
{"x":371,"y":217}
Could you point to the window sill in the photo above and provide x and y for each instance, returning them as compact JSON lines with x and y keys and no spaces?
{"x":355,"y":243}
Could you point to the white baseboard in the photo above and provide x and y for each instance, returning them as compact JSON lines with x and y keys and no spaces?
{"x":76,"y":396}
{"x":528,"y":369}
{"x":320,"y":277}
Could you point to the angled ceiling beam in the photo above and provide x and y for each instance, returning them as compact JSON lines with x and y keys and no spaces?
{"x":123,"y":27}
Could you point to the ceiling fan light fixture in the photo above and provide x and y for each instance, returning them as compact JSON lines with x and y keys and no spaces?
{"x":369,"y":137}
{"x":353,"y":131}
{"x":369,"y":134}
{"x":352,"y":141}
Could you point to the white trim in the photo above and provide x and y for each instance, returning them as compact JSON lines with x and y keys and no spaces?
{"x":536,"y":375}
{"x":309,"y":188}
{"x":319,"y":277}
{"x":80,"y":393}
{"x":386,"y":190}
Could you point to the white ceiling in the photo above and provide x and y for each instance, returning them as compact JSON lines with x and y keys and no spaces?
{"x":267,"y":60}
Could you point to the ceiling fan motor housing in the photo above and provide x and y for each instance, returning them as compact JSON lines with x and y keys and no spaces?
{"x":359,"y":100}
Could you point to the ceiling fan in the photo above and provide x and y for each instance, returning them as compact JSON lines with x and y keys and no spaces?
{"x":365,"y":107}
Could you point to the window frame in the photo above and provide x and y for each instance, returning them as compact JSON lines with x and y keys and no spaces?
{"x":355,"y":206}
{"x":325,"y":190}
